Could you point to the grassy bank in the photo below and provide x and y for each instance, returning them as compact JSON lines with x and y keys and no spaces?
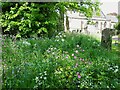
{"x":66,"y":61}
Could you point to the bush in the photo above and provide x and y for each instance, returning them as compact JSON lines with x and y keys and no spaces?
{"x":66,"y":61}
{"x":29,"y":19}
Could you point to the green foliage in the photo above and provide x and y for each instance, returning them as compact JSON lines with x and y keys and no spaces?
{"x":117,"y":26}
{"x":44,"y":18}
{"x":30,"y":18}
{"x":66,"y":61}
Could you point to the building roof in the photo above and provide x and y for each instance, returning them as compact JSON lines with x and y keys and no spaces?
{"x":112,"y":18}
{"x":112,"y":14}
{"x":102,"y":16}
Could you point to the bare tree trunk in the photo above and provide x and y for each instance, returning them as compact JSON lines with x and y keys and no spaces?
{"x":61,"y":21}
{"x":67,"y":24}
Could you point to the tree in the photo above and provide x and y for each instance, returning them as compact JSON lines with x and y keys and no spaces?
{"x":117,"y":26}
{"x":44,"y":18}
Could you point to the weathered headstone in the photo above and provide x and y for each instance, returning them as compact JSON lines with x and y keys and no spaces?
{"x":106,"y":39}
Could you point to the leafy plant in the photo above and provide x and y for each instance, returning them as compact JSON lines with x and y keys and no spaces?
{"x":66,"y":61}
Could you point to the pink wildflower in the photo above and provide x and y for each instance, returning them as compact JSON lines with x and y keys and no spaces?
{"x":78,"y":74}
{"x":76,"y":65}
{"x":75,"y":57}
{"x":66,"y":56}
{"x":80,"y":59}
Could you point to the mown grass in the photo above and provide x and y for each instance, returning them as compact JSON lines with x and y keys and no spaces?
{"x":65,"y":61}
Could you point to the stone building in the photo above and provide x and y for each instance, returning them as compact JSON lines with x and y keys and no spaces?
{"x":119,"y":8}
{"x":76,"y":22}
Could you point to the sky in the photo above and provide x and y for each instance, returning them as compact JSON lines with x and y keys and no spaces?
{"x":109,"y":6}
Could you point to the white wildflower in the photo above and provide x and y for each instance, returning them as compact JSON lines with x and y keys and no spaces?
{"x":64,"y":35}
{"x":63,"y":40}
{"x":45,"y":78}
{"x":72,"y":54}
{"x":76,"y":51}
{"x":26,"y":43}
{"x":41,"y":77}
{"x":77,"y":45}
{"x":60,"y":35}
{"x":36,"y":78}
{"x":57,"y":40}
{"x":53,"y":53}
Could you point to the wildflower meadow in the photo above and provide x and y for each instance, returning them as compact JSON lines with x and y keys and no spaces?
{"x":65,"y":61}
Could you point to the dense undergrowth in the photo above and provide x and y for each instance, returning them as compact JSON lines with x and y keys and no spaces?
{"x":65,"y":61}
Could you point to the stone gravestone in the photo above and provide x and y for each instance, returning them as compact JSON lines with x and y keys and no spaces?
{"x":106,"y":39}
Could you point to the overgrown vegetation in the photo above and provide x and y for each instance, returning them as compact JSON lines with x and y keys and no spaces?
{"x":42,"y":18}
{"x":66,"y":61}
{"x":117,"y":26}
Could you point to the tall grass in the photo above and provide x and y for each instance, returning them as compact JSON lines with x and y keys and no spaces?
{"x":65,"y":61}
